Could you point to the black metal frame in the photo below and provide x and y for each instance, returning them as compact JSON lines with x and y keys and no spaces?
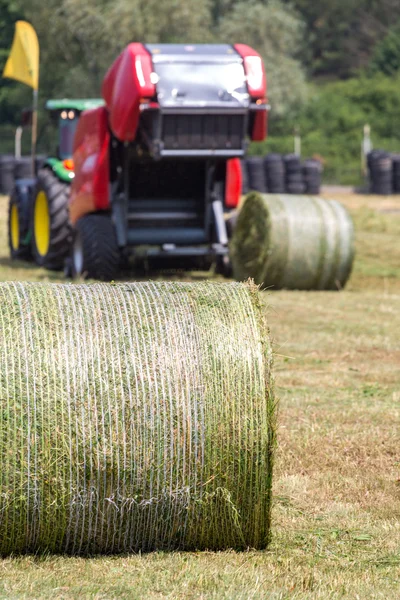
{"x":210,"y":239}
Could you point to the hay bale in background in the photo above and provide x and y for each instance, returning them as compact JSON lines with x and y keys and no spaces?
{"x":293,"y":242}
{"x":134,"y":417}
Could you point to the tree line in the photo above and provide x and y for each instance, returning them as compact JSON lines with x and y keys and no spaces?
{"x":306,"y":45}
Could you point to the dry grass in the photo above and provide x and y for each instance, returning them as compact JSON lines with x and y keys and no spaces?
{"x":336,"y":515}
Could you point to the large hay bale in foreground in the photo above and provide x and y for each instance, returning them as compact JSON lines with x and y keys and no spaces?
{"x":134,"y":417}
{"x":293,"y":242}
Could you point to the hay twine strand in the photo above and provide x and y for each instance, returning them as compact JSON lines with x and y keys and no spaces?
{"x":134,"y":417}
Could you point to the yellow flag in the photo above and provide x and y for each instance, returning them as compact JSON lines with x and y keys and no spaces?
{"x":23,"y":62}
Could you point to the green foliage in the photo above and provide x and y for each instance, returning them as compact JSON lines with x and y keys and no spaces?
{"x":276,"y":32}
{"x":341,"y":34}
{"x":332,"y":40}
{"x":386,"y":56}
{"x":331,"y":124}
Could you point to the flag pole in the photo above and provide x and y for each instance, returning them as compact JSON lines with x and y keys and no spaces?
{"x":34,"y":128}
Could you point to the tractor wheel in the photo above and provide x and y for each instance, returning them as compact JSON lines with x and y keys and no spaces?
{"x":18,"y":228}
{"x":223,"y":266}
{"x":51,"y":229}
{"x":95,"y":252}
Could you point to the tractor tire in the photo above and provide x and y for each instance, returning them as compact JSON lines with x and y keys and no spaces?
{"x":223,"y":266}
{"x":18,"y":228}
{"x":95,"y":253}
{"x":51,"y":228}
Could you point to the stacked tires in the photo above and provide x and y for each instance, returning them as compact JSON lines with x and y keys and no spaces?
{"x":293,"y":174}
{"x":380,"y":169}
{"x":7,"y":163}
{"x":23,"y":167}
{"x":396,"y":173}
{"x":256,"y":174}
{"x":276,"y":174}
{"x":312,"y":176}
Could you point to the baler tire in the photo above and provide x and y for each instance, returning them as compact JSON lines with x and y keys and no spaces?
{"x":96,"y":240}
{"x":53,"y":196}
{"x":17,"y":230}
{"x":223,"y":266}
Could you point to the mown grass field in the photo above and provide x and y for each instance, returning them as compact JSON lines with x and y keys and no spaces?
{"x":336,"y":512}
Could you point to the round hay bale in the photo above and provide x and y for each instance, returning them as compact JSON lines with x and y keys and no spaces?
{"x":293,"y":242}
{"x":134,"y":417}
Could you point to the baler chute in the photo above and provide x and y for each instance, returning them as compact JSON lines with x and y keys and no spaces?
{"x":157,"y":169}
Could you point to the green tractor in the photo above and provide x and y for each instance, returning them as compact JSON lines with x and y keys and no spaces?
{"x":38,"y":221}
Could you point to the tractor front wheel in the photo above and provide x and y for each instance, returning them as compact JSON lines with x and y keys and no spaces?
{"x":51,"y":229}
{"x":18,"y":227}
{"x":95,"y":252}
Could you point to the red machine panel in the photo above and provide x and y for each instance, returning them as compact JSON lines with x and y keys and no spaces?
{"x":233,"y":183}
{"x":254,"y":69}
{"x":257,"y":86}
{"x":260,"y":126}
{"x":127,"y":82}
{"x":90,"y":187}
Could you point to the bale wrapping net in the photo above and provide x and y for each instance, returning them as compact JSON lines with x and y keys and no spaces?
{"x":134,"y":417}
{"x":293,"y":242}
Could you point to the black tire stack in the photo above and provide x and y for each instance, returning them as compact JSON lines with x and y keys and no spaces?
{"x":380,"y":169}
{"x":312,"y":176}
{"x":256,"y":174}
{"x":275,"y":173}
{"x":7,"y":162}
{"x":23,"y":167}
{"x":293,"y":174}
{"x":396,"y":173}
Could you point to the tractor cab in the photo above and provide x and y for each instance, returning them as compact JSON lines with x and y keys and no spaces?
{"x":64,"y":115}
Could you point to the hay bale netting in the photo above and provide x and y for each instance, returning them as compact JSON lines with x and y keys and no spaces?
{"x":293,"y":242}
{"x":7,"y":162}
{"x":134,"y":417}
